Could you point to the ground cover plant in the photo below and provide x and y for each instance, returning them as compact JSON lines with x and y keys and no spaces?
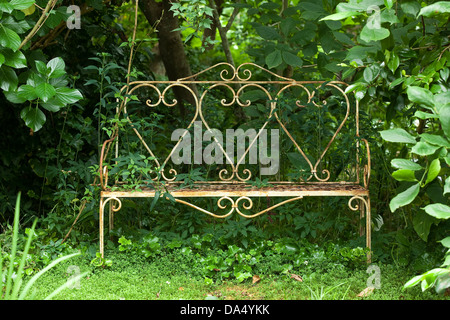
{"x":61,"y":69}
{"x":179,"y":273}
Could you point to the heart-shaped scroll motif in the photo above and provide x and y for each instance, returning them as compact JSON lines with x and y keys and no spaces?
{"x":308,"y":108}
{"x":237,"y":98}
{"x":158,"y":101}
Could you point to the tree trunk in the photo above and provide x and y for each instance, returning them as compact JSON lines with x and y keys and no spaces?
{"x":171,"y":46}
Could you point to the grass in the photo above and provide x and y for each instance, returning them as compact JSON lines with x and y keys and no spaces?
{"x":170,"y":277}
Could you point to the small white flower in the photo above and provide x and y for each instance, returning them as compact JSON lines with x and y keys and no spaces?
{"x":306,"y":262}
{"x":168,"y":282}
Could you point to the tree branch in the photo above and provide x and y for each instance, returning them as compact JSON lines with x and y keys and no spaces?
{"x":223,"y":33}
{"x":232,"y":17}
{"x":50,"y":5}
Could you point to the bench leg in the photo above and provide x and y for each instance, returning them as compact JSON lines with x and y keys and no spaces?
{"x":368,"y":230}
{"x":112,"y":208}
{"x":364,"y":209}
{"x":100,"y":218}
{"x":361,"y":218}
{"x":111,"y":219}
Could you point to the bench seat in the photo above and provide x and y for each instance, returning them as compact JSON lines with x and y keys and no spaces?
{"x":242,"y":189}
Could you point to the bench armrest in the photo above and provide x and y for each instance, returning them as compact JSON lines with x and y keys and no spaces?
{"x":367,"y":167}
{"x":103,"y":170}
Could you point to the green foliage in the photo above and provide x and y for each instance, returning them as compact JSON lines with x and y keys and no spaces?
{"x":403,"y":73}
{"x":98,"y":261}
{"x":430,"y":151}
{"x":148,"y":245}
{"x":263,"y":257}
{"x":134,"y":168}
{"x":44,"y":85}
{"x":14,"y":289}
{"x":196,"y":16}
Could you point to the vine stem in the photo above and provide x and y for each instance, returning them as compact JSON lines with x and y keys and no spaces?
{"x":50,"y":5}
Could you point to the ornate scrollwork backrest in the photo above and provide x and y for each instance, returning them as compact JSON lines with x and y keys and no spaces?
{"x":236,"y":81}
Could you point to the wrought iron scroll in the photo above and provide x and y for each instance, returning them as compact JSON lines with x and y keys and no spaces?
{"x":241,"y":76}
{"x":247,"y":203}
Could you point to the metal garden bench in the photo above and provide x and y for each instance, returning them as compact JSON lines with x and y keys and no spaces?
{"x":288,"y":109}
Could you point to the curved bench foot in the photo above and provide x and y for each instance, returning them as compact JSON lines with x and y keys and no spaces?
{"x":364,"y":207}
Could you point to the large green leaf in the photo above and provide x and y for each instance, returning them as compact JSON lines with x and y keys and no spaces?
{"x":374,"y":34}
{"x":389,"y":16}
{"x":27,"y":92}
{"x":18,"y":27}
{"x":45,"y":91}
{"x":34,"y":118}
{"x":404,"y":198}
{"x":292,"y":59}
{"x":444,"y":116}
{"x":53,"y":105}
{"x":425,"y":115}
{"x":15,"y":59}
{"x":405,"y":164}
{"x":394,"y":62}
{"x":389,"y":3}
{"x":435,"y":139}
{"x":446,"y":242}
{"x":410,"y":7}
{"x":404,"y":175}
{"x":360,"y":52}
{"x":371,"y":72}
{"x":422,"y":223}
{"x":21,"y":4}
{"x":358,"y":5}
{"x":424,"y":149}
{"x":421,"y":96}
{"x":288,"y":25}
{"x":396,"y":82}
{"x":41,"y":67}
{"x":341,"y":15}
{"x":57,"y":67}
{"x":447,"y":185}
{"x":435,"y":8}
{"x":311,"y":10}
{"x":8,"y":38}
{"x":267,"y":33}
{"x":274,"y":59}
{"x":14,"y":97}
{"x":8,"y":79}
{"x":438,"y":210}
{"x":433,"y":170}
{"x":427,"y":279}
{"x":6,"y":7}
{"x":441,"y":100}
{"x":397,"y":135}
{"x":67,"y":95}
